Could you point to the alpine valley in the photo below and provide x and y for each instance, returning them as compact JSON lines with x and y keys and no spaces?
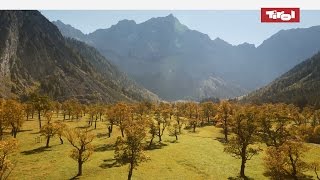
{"x":176,"y":62}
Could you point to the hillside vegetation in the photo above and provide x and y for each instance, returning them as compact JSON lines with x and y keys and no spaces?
{"x":300,"y":86}
{"x":159,"y":141}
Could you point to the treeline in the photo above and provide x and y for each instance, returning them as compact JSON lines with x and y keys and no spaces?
{"x":283,"y":128}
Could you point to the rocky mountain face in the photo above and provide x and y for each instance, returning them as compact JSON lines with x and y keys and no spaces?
{"x":300,"y":85}
{"x":34,"y":55}
{"x":164,"y":56}
{"x":175,"y":62}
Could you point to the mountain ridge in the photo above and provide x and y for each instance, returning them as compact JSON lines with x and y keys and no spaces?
{"x":299,"y":86}
{"x":154,"y":49}
{"x":34,"y":55}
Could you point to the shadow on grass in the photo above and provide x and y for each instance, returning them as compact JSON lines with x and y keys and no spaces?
{"x":105,"y":147}
{"x":101,"y":135}
{"x":26,"y":130}
{"x":38,"y":132}
{"x":221,"y":140}
{"x":174,"y":141}
{"x":303,"y":176}
{"x":75,"y":177}
{"x":240,"y":178}
{"x":109,"y":163}
{"x":158,"y":145}
{"x":36,"y":151}
{"x":85,"y":127}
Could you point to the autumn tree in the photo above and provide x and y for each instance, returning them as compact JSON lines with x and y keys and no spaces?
{"x":282,"y":129}
{"x":131,"y":149}
{"x":60,"y":127}
{"x":81,"y":140}
{"x":7,"y":147}
{"x":49,"y":130}
{"x":121,"y":112}
{"x":28,"y":108}
{"x":315,"y":167}
{"x":273,"y":122}
{"x":141,"y":109}
{"x":13,"y":114}
{"x":193,"y":114}
{"x":57,"y":107}
{"x":66,"y":109}
{"x":92,"y":111}
{"x":76,"y":109}
{"x":111,"y":120}
{"x":224,"y":114}
{"x":316,"y":118}
{"x":3,"y":121}
{"x":244,"y":128}
{"x":179,"y":113}
{"x":41,"y":103}
{"x":207,"y":110}
{"x":286,"y":161}
{"x":174,"y":130}
{"x":99,"y":111}
{"x":153,"y":130}
{"x":162,"y":122}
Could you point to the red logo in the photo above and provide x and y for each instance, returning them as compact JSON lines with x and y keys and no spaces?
{"x":280,"y":15}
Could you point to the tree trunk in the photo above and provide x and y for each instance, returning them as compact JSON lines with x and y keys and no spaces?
{"x":243,"y":161}
{"x":109,"y":131}
{"x":61,"y":140}
{"x":79,"y":168}
{"x":15,"y":132}
{"x":1,"y":133}
{"x":48,"y":141}
{"x":225,"y":128}
{"x":294,"y":168}
{"x":150,"y":143}
{"x":315,"y":171}
{"x":194,"y":127}
{"x":130,"y":172}
{"x":159,"y":134}
{"x":243,"y":166}
{"x":176,"y":137}
{"x":39,"y":118}
{"x":122,"y":132}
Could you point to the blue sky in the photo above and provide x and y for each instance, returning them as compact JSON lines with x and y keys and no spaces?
{"x":235,"y":27}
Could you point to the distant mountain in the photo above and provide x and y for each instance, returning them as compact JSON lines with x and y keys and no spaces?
{"x":69,"y":31}
{"x":174,"y":61}
{"x":164,"y":56}
{"x":34,"y":55}
{"x":300,"y":85}
{"x":285,"y":49}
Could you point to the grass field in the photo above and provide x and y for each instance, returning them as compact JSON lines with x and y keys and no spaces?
{"x":195,"y":156}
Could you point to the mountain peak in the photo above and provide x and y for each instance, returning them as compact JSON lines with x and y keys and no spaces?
{"x":126,"y":21}
{"x":68,"y":30}
{"x":170,"y":16}
{"x":221,"y":41}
